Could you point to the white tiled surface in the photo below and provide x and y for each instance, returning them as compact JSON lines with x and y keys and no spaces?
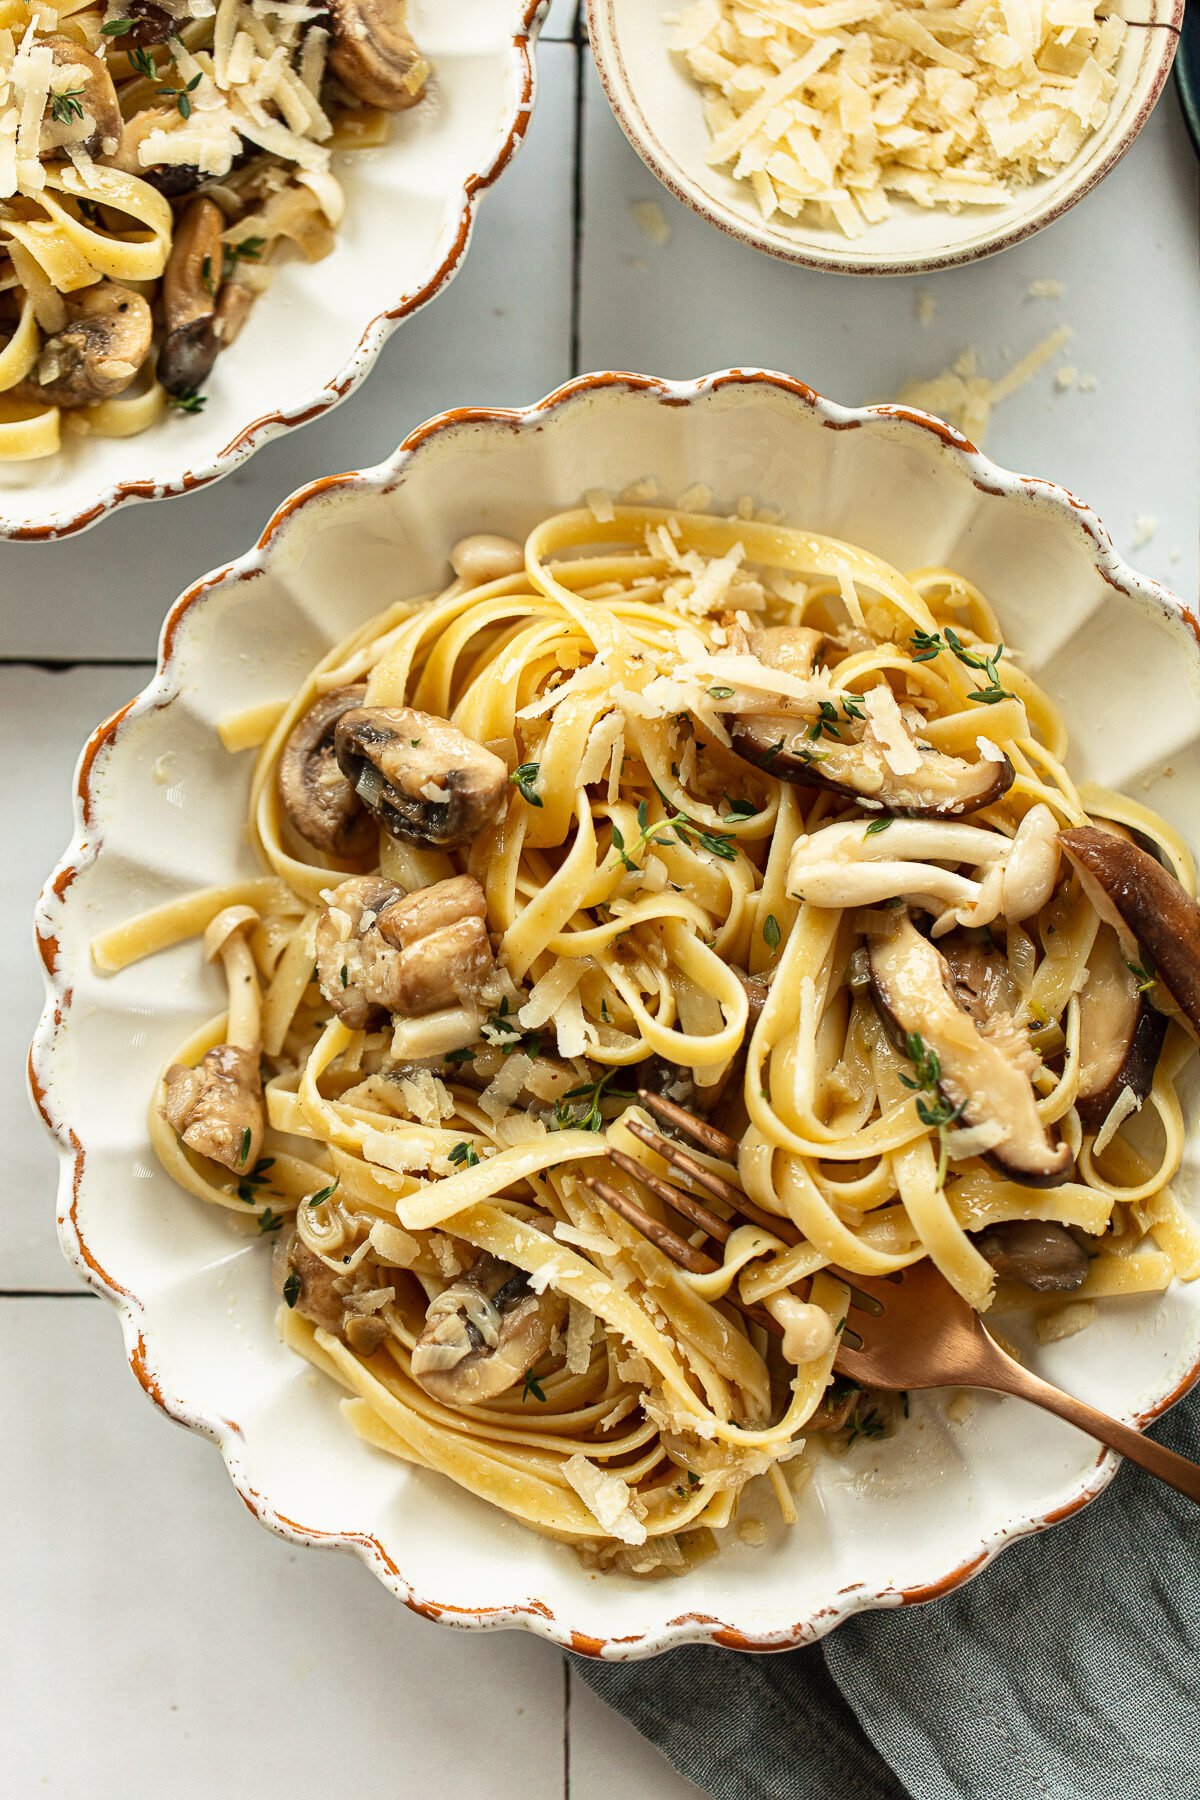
{"x":149,"y":1624}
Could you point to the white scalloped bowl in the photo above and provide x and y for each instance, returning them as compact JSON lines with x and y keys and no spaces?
{"x":310,"y":341}
{"x":660,"y":109}
{"x":160,"y":811}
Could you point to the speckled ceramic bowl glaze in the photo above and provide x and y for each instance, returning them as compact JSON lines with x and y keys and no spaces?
{"x":159,"y":811}
{"x":660,"y":110}
{"x":310,"y":341}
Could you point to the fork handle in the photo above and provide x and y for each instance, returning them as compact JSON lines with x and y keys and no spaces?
{"x":1177,"y":1471}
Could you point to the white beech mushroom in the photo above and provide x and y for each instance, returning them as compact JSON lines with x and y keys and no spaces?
{"x":484,"y":1333}
{"x":987,"y":1077}
{"x":380,"y":950}
{"x":216,"y":1109}
{"x":426,"y":781}
{"x":853,"y":863}
{"x":1146,"y":906}
{"x":319,"y":801}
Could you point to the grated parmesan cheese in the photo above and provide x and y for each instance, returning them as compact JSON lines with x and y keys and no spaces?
{"x":607,"y":1498}
{"x":833,"y":111}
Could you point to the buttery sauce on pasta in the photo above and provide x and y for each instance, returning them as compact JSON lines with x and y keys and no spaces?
{"x":664,"y":799}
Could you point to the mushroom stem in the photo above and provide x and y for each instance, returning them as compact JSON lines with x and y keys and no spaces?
{"x":226,"y":938}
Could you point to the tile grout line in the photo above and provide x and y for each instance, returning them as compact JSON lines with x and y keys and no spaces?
{"x":577,"y":213}
{"x":48,"y":1294}
{"x":65,"y":665}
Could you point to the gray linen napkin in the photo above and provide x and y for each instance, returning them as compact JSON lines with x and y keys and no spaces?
{"x":1069,"y":1670}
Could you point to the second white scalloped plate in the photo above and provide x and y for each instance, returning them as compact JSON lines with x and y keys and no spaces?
{"x":310,"y":341}
{"x":160,"y":811}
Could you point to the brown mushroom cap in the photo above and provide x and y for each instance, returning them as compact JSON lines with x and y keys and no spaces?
{"x":1038,"y":1253}
{"x":317,"y":797}
{"x":191,"y":282}
{"x":98,"y":130}
{"x":912,"y":986}
{"x":97,"y":353}
{"x":1120,"y":1033}
{"x":944,"y":787}
{"x":425,"y":781}
{"x":1132,"y":891}
{"x":373,"y":53}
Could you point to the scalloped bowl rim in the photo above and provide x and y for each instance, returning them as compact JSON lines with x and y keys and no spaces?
{"x":989,"y":478}
{"x":341,"y":383}
{"x":665,"y":165}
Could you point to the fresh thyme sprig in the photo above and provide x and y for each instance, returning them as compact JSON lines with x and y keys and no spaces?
{"x":523,"y":779}
{"x":567,"y":1117}
{"x":182,"y":96}
{"x":249,"y":249}
{"x":532,"y":1386}
{"x":928,"y":644}
{"x":188,"y":400}
{"x":465,"y":1155}
{"x":67,"y":106}
{"x":1143,"y":973}
{"x":257,"y":1178}
{"x":937,"y":1112}
{"x":717,"y":843}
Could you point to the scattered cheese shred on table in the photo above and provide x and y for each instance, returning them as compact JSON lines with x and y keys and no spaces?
{"x":832,"y":110}
{"x":965,"y":398}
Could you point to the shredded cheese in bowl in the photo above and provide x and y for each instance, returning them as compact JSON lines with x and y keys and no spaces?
{"x":831,"y":112}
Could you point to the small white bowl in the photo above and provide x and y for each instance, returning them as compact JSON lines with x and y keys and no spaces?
{"x":160,"y":809}
{"x":659,"y":108}
{"x":310,"y":341}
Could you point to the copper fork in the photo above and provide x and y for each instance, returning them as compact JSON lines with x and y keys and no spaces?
{"x":902,"y":1332}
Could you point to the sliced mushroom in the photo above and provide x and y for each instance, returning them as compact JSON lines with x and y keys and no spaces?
{"x":98,"y":352}
{"x":216,"y":1109}
{"x":373,"y":53}
{"x":1144,"y":903}
{"x":1120,"y":1033}
{"x":380,"y":950}
{"x":424,"y":780}
{"x":1038,"y":1253}
{"x":88,"y":117}
{"x":855,"y":862}
{"x":323,"y":1295}
{"x":152,"y":25}
{"x":321,"y":804}
{"x":939,"y":787}
{"x":171,"y":179}
{"x":191,"y":282}
{"x":484,"y":1333}
{"x":912,"y":986}
{"x":792,"y":648}
{"x":980,"y":977}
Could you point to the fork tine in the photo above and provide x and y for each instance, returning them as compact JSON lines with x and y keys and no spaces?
{"x":724,"y":1190}
{"x":670,"y":1114}
{"x":677,"y":1248}
{"x":683,"y":1203}
{"x":668,"y":1241}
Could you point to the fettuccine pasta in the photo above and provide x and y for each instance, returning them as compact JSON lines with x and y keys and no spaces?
{"x":717,"y":809}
